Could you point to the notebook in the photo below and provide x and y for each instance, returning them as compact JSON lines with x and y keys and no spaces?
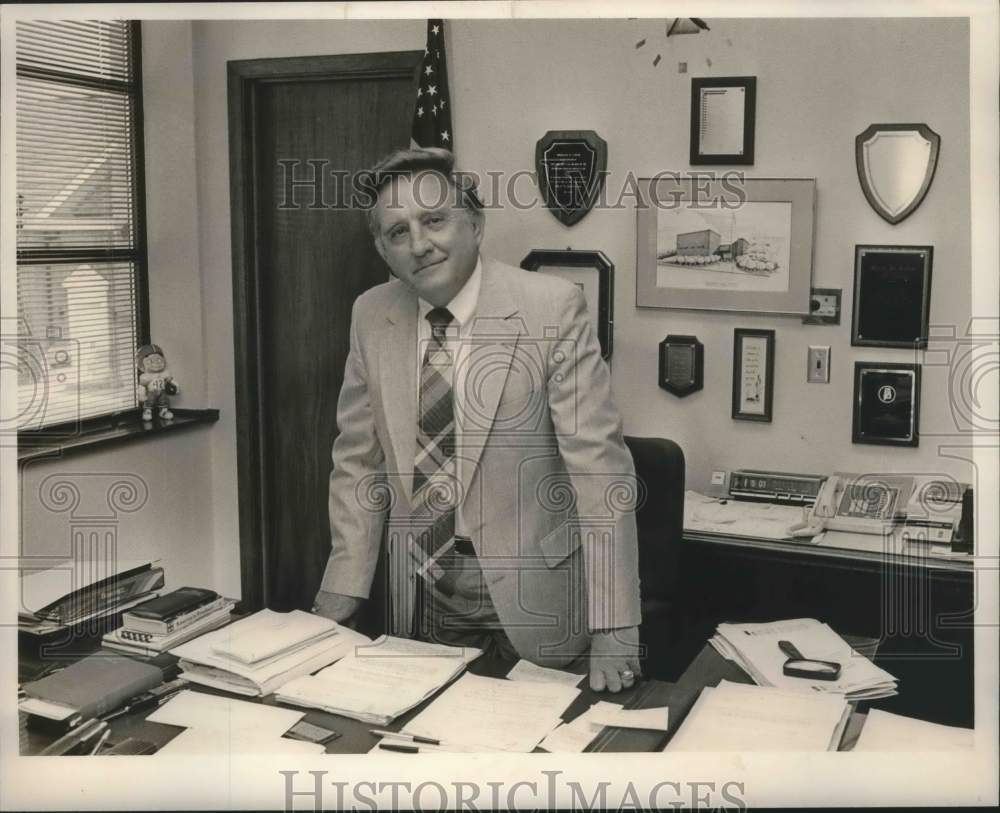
{"x":97,"y":684}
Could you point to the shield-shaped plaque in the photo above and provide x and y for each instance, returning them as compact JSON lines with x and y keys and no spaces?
{"x":571,"y":165}
{"x":896,"y":164}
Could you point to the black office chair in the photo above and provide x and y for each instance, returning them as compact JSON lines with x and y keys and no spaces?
{"x":659,"y":466}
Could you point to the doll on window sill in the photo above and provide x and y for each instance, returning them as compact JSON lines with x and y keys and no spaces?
{"x":155,"y":382}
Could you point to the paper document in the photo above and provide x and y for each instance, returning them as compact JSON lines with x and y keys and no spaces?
{"x":721,"y":126}
{"x":754,"y":647}
{"x":376,"y":683}
{"x":526,"y":670}
{"x":891,"y":732}
{"x":737,"y":717}
{"x":272,"y":635}
{"x":190,"y":709}
{"x":574,"y":737}
{"x":739,"y":517}
{"x":509,"y":715}
{"x":213,"y":741}
{"x":647,"y":719}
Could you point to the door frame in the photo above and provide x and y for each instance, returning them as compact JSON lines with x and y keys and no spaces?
{"x":244,"y":79}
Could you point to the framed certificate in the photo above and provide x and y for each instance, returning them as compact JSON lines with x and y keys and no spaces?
{"x":892,"y":296}
{"x":886,"y":404}
{"x":591,"y":272}
{"x":722,"y":119}
{"x":753,"y":374}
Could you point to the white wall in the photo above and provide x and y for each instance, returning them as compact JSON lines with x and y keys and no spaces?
{"x":819,"y":83}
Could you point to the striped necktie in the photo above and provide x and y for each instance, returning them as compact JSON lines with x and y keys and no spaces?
{"x":435,"y":485}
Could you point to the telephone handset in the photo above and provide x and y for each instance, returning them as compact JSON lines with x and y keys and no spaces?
{"x":861,"y":503}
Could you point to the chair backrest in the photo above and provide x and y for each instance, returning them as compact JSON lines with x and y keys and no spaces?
{"x":659,"y":466}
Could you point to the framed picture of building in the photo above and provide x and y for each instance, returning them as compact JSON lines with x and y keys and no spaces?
{"x":727,"y":244}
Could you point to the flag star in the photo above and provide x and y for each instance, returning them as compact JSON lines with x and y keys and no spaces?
{"x":428,"y":70}
{"x":434,"y":110}
{"x":420,"y":92}
{"x":432,"y":90}
{"x":420,"y":112}
{"x":445,"y":136}
{"x":437,"y":53}
{"x":441,"y":104}
{"x":435,"y":29}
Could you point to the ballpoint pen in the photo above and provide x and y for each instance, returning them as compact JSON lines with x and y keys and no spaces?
{"x":402,"y":735}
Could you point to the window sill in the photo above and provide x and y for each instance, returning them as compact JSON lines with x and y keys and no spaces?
{"x":123,"y":429}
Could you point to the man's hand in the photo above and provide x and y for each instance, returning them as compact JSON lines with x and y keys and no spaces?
{"x":614,"y":659}
{"x":340,"y":608}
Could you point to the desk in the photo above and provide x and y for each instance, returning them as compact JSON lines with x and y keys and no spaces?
{"x":355,"y":737}
{"x":919,"y":609}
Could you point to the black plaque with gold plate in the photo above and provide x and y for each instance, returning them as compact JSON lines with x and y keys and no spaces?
{"x":571,"y":165}
{"x":682,"y":365}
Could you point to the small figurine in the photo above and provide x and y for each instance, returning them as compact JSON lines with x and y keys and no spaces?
{"x":155,"y":382}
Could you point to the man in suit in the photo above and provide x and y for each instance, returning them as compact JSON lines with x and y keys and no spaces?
{"x":476,"y":418}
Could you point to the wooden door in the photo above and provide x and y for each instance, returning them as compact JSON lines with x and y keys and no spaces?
{"x":299,"y":262}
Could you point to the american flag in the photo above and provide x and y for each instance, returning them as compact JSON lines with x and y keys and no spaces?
{"x":432,"y":114}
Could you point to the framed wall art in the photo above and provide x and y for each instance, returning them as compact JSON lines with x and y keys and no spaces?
{"x":886,"y":404}
{"x":722,"y":119}
{"x":753,"y":375}
{"x":730,"y":244}
{"x":892,"y":296}
{"x":594,"y":274}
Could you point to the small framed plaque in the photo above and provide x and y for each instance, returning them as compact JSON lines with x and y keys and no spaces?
{"x":753,"y":374}
{"x":892,"y":296}
{"x":886,"y":404}
{"x":682,"y":365}
{"x":591,"y":272}
{"x":722,"y":119}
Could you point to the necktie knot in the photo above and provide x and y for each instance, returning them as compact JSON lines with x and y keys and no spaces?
{"x":439,"y":318}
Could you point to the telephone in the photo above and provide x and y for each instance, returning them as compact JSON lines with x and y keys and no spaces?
{"x":876,"y":503}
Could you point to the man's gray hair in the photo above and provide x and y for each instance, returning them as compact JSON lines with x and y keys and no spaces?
{"x":407,"y":164}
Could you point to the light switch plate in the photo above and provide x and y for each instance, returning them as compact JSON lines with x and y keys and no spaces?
{"x":818,"y":359}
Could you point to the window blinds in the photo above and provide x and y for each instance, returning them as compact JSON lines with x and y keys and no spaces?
{"x":80,"y":232}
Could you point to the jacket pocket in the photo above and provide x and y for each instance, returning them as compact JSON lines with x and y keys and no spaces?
{"x":559,"y":544}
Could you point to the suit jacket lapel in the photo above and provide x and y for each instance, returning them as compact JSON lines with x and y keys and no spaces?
{"x":397,"y":357}
{"x":493,"y":342}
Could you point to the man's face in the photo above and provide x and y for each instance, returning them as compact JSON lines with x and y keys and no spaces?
{"x":428,"y":241}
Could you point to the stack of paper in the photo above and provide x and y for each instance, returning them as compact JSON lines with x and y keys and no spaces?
{"x":260,"y":653}
{"x":890,"y":732}
{"x":737,"y":717}
{"x":222,"y":725}
{"x":378,"y":682}
{"x":494,"y":713}
{"x":754,"y":647}
{"x":78,"y":591}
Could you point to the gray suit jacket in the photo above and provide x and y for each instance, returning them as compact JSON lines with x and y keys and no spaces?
{"x":548,"y":485}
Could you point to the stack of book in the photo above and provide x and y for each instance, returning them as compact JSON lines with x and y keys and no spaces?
{"x":157,"y":625}
{"x":259,"y":653}
{"x":77,"y":592}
